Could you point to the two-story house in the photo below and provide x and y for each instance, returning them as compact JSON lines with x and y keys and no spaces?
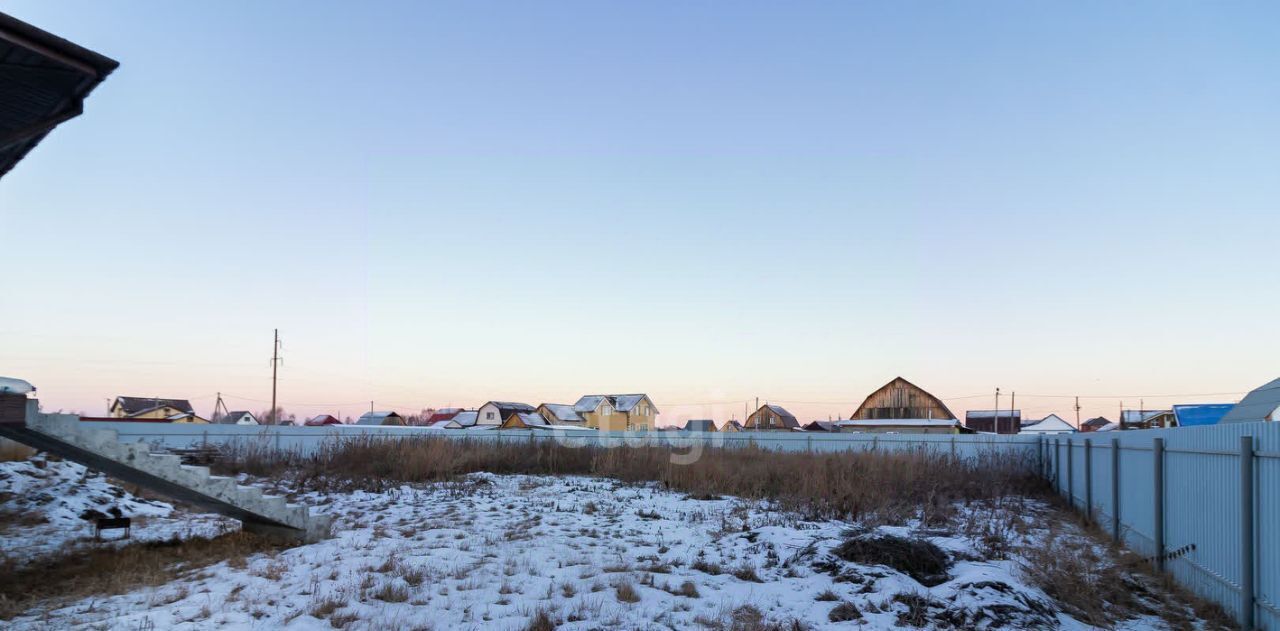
{"x":617,"y":412}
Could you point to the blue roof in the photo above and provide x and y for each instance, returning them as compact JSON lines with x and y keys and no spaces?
{"x":1201,"y":414}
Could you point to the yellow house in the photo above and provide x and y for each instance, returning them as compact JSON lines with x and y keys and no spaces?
{"x":617,"y":412}
{"x":172,"y":410}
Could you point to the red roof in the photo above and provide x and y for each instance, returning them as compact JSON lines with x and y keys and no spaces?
{"x":443,"y":415}
{"x":323,"y":419}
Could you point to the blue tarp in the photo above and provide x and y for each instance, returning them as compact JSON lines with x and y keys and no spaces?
{"x":1201,"y":414}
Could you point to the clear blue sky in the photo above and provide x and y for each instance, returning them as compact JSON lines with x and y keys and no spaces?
{"x":706,"y":201}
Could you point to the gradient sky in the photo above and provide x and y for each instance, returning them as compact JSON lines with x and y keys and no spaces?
{"x":446,"y":203}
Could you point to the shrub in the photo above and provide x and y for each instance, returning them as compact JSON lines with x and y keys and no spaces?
{"x":844,"y":612}
{"x":917,"y":558}
{"x":627,"y":592}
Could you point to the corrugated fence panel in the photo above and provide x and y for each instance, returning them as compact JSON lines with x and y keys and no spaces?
{"x":1267,"y":520}
{"x":1203,"y":505}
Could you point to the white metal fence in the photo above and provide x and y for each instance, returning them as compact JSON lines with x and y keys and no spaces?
{"x":1201,"y":502}
{"x":306,"y":440}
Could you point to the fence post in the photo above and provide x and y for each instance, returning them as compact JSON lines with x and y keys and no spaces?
{"x":1057,"y":466}
{"x":808,"y":444}
{"x":1246,"y":534}
{"x":1115,"y":489}
{"x":1157,"y":452}
{"x":953,"y":446}
{"x":1071,"y":472}
{"x":1088,"y":479}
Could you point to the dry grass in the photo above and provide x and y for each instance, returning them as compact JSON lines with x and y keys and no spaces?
{"x":1097,"y":583}
{"x":627,"y":592}
{"x":872,"y":487}
{"x":10,"y":451}
{"x":107,"y":571}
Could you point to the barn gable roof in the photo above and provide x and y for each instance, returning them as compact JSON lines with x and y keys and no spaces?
{"x":902,"y":382}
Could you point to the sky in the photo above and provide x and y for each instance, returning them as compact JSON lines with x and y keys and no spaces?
{"x":444,"y":203}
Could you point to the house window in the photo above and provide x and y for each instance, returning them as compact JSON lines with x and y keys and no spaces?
{"x":488,"y":416}
{"x":606,"y":411}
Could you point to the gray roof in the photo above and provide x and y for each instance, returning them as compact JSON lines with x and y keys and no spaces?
{"x":822,"y":426}
{"x":1256,"y":406}
{"x":136,"y":405}
{"x":232,"y":417}
{"x":620,"y":402}
{"x":564,"y":413}
{"x":465,"y":418}
{"x":700,"y":425}
{"x":380,"y":418}
{"x":507,"y":408}
{"x":531,"y":418}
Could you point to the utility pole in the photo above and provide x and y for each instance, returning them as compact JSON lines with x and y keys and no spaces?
{"x":219,"y":405}
{"x":1013,"y":406}
{"x":275,"y":362}
{"x":995,"y":420}
{"x":1077,"y":412}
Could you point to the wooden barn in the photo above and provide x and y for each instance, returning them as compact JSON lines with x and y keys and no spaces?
{"x":901,"y":399}
{"x":771,"y":418}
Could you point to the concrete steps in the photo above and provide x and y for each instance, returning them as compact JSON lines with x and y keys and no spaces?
{"x":67,"y":436}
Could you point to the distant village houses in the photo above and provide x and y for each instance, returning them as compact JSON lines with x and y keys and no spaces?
{"x":495,"y":412}
{"x":994,"y":421}
{"x":238,"y":417}
{"x":380,"y":418}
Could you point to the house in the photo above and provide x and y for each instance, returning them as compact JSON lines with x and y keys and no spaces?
{"x":901,"y":399}
{"x":238,"y":417}
{"x":994,"y":421}
{"x":1094,"y":424}
{"x":1260,"y":405}
{"x":732,"y":426}
{"x":617,"y":412}
{"x":904,"y":426}
{"x":495,"y":412}
{"x":700,"y":425}
{"x":380,"y":418}
{"x":185,"y":417}
{"x":442,"y":415}
{"x":1200,"y":414}
{"x":1052,"y":424}
{"x":1145,"y":419}
{"x":320,"y":420}
{"x":561,"y":414}
{"x":149,"y":408}
{"x":821,"y":426}
{"x":461,"y":420}
{"x":524,"y":420}
{"x":771,"y":418}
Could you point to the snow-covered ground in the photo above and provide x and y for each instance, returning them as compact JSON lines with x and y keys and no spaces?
{"x":492,"y":552}
{"x":49,"y":505}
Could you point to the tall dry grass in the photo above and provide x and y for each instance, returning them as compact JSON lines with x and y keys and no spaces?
{"x":11,"y":451}
{"x":92,"y":571}
{"x":888,"y":487}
